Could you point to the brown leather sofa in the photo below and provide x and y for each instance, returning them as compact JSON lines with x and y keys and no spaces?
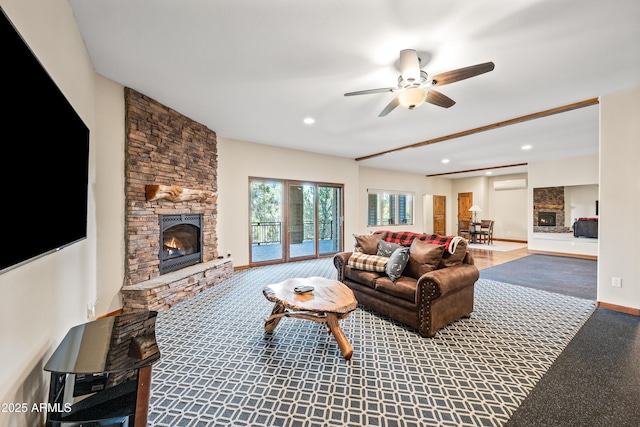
{"x":428,"y":295}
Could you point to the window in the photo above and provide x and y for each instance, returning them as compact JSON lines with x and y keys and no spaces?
{"x":389,"y":208}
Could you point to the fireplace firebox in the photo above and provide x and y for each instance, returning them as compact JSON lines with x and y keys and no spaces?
{"x":180,"y":241}
{"x":546,"y":219}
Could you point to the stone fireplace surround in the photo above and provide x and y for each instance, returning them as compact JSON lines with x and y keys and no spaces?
{"x":166,"y":148}
{"x":548,"y":200}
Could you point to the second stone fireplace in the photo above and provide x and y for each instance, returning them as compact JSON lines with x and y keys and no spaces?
{"x":180,"y":241}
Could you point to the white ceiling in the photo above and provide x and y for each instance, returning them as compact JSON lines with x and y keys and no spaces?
{"x":253,"y":71}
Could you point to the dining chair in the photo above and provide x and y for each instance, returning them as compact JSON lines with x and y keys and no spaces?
{"x":464,"y":228}
{"x":485,"y":234}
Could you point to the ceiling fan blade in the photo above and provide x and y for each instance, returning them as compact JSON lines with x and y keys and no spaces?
{"x":390,"y":107}
{"x":409,"y":65}
{"x":368,"y":91}
{"x":436,"y":98}
{"x":462,"y":73}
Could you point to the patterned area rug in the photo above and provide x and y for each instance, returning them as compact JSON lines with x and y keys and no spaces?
{"x":219,"y":367}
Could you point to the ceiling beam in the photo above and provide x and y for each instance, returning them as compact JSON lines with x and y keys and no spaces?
{"x":538,"y":115}
{"x":478,"y":170}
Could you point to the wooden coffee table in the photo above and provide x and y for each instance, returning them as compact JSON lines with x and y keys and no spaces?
{"x":329,"y":302}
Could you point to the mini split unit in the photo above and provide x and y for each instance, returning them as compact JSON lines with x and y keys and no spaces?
{"x":510,"y":184}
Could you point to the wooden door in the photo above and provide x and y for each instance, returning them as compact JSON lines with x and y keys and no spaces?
{"x":440,"y":215}
{"x":465,"y":201}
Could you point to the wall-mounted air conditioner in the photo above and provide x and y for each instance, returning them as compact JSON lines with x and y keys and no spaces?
{"x":510,"y":184}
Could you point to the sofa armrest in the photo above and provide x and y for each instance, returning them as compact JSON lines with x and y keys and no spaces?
{"x":438,"y":283}
{"x":340,"y":260}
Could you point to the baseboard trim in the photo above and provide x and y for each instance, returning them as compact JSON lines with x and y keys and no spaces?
{"x":509,"y":240}
{"x":594,"y":257}
{"x":619,"y":308}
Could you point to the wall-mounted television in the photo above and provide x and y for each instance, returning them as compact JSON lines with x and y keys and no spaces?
{"x":44,"y":161}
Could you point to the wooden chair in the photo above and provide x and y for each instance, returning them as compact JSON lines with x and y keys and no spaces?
{"x":464,"y":228}
{"x":485,"y":235}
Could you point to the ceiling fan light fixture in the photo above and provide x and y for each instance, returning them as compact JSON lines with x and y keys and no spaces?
{"x":412,"y":97}
{"x":409,"y":65}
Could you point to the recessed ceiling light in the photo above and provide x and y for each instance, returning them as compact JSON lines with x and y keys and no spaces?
{"x":309,"y":120}
{"x":445,"y":160}
{"x":488,"y":172}
{"x":526,"y":147}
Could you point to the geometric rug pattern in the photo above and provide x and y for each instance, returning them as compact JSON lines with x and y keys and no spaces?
{"x":219,"y":368}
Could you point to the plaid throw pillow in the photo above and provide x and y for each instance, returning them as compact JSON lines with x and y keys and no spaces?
{"x":361,"y":261}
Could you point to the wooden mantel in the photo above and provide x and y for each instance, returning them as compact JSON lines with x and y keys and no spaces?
{"x":178,"y":194}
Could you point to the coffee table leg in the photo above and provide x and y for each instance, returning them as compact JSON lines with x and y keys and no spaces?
{"x":345,"y":346}
{"x":271,"y":323}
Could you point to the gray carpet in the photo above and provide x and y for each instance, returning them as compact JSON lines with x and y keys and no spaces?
{"x":594,"y":382}
{"x":219,"y":367}
{"x":566,"y":275}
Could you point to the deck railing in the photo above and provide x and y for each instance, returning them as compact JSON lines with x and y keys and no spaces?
{"x":266,"y":233}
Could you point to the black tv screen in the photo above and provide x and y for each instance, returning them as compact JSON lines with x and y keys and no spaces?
{"x":44,"y":161}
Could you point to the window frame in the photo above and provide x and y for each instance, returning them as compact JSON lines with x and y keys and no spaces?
{"x":389,"y":202}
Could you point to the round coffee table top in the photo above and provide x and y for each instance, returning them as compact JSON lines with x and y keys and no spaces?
{"x":328,"y":295}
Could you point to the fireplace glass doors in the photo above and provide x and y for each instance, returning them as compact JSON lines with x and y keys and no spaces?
{"x":180,"y":241}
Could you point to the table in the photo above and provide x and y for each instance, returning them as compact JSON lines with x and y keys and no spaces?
{"x":101,"y":372}
{"x":329,"y":302}
{"x":475,"y":231}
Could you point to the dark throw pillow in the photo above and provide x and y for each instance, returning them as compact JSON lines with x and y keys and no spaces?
{"x":397,"y":262}
{"x":386,"y":248}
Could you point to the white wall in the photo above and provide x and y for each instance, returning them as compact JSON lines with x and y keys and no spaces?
{"x":44,"y":298}
{"x":619,"y":254}
{"x":580,"y":202}
{"x":508,"y":208}
{"x":110,"y":194}
{"x":239,"y":160}
{"x":582,"y":170}
{"x":379,"y":179}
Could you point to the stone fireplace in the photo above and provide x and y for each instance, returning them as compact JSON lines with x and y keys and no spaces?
{"x":180,"y":241}
{"x":171,"y":208}
{"x":549,"y":210}
{"x":546,"y":219}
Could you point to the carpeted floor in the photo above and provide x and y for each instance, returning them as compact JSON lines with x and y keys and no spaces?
{"x":594,"y":382}
{"x":565,"y":275}
{"x":219,"y":367}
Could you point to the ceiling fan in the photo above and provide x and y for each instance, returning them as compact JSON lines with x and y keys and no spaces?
{"x":414,"y":85}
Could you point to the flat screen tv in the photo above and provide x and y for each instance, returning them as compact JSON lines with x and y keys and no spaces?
{"x":44,"y":161}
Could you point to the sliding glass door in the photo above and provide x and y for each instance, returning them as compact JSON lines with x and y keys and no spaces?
{"x":293,"y":220}
{"x":267,"y":215}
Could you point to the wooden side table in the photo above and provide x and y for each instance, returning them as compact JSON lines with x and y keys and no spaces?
{"x":329,"y":302}
{"x":101,"y":372}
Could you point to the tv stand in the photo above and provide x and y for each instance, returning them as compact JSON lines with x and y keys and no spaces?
{"x":101,"y":372}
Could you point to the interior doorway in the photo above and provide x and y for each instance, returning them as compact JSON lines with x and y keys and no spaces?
{"x":440,"y":215}
{"x":465,"y":201}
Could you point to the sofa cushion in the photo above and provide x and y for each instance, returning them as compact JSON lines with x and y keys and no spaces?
{"x":386,"y":248}
{"x":423,"y":258}
{"x":367,"y":278}
{"x":397,"y":262}
{"x":404,"y":287}
{"x":362,"y":261}
{"x":367,"y":243}
{"x":455,"y":258}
